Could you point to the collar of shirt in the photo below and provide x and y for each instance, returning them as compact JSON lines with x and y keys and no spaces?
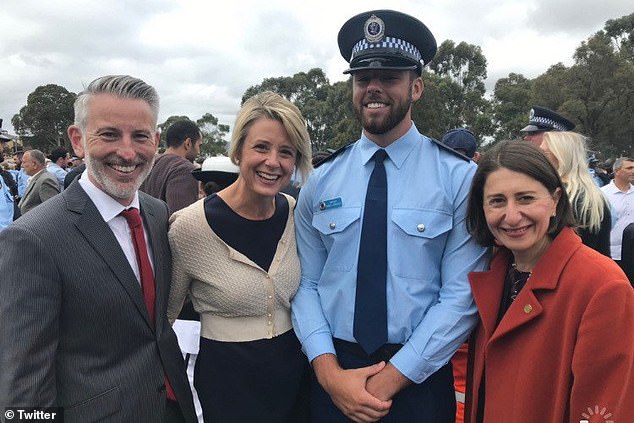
{"x":110,"y":210}
{"x":397,"y":151}
{"x":33,"y":176}
{"x":611,"y":188}
{"x":108,"y":207}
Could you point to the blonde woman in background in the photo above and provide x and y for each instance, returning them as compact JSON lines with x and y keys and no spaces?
{"x":234,"y":254}
{"x":568,"y":154}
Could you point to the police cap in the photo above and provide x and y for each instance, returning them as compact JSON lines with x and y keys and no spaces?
{"x":461,"y":139}
{"x":542,"y":119}
{"x":386,"y":39}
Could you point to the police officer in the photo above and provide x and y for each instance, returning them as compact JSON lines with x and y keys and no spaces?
{"x":540,"y":120}
{"x":384,"y":300}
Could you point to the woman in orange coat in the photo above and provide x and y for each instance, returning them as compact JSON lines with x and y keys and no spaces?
{"x":556,"y":337}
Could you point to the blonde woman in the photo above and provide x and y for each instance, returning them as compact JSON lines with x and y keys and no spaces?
{"x":568,"y":154}
{"x":234,"y":254}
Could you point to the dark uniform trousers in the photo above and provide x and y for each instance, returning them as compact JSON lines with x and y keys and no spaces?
{"x":432,"y":401}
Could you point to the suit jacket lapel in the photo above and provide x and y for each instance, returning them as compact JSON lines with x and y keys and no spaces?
{"x":99,"y":235}
{"x":157,"y":234}
{"x":31,"y":184}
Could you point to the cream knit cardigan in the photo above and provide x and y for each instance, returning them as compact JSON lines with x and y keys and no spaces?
{"x":237,"y":300}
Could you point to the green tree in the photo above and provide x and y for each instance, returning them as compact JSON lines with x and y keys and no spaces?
{"x":511,"y":103}
{"x":309,"y":92}
{"x":43,"y":121}
{"x":214,"y":134}
{"x":601,"y":95}
{"x":455,"y":92}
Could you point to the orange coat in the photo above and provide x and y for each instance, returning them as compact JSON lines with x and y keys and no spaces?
{"x":564,"y":350}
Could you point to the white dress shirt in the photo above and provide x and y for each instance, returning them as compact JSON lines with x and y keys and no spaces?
{"x":110,"y":210}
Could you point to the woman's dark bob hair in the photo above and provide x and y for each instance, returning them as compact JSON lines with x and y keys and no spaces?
{"x":521,"y":157}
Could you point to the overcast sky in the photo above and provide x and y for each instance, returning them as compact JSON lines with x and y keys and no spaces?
{"x":202,"y":55}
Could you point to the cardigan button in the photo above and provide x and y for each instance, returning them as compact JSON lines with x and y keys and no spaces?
{"x":528,"y":308}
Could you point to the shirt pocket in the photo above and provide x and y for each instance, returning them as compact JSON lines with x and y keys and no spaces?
{"x":340,"y":230}
{"x":419,"y":242}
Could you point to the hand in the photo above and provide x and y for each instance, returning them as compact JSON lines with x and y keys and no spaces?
{"x":387,"y":383}
{"x":347,"y":389}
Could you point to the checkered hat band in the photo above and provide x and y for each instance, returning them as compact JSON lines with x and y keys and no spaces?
{"x":539,"y":120}
{"x":388,"y":42}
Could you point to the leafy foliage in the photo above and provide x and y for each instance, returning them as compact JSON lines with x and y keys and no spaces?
{"x":43,"y":121}
{"x":214,"y":134}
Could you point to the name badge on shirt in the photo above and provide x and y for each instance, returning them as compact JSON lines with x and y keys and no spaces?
{"x":330,"y":204}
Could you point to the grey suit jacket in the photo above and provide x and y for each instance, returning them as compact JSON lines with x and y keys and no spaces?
{"x":74,"y":330}
{"x":41,"y":187}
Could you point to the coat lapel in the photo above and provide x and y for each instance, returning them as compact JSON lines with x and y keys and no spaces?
{"x":99,"y":235}
{"x":488,"y":286}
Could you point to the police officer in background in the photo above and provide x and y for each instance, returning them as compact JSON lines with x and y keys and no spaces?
{"x":540,"y":120}
{"x":384,"y":299}
{"x":463,"y":141}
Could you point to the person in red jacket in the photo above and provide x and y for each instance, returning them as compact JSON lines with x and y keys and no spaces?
{"x":555,"y":341}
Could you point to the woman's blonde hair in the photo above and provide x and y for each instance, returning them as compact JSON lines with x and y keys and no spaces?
{"x":587,"y":200}
{"x":270,"y":105}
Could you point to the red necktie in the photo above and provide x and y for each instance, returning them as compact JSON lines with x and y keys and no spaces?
{"x":146,"y":274}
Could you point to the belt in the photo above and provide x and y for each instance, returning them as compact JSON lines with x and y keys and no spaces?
{"x":384,"y":353}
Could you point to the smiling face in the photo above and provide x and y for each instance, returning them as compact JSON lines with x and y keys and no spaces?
{"x":517,"y":209}
{"x":382,"y":100}
{"x":119,"y":144}
{"x":267,"y":158}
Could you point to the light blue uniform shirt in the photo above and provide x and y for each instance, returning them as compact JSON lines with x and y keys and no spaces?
{"x":59,"y":173}
{"x":6,"y":205}
{"x":22,"y":179}
{"x":429,"y":303}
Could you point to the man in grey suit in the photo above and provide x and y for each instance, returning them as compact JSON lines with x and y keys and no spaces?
{"x":76,"y":324}
{"x":42,"y":184}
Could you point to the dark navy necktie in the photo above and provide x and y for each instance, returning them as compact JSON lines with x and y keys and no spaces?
{"x":370,"y":309}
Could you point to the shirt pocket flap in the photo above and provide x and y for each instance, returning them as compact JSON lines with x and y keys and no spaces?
{"x":422,"y":223}
{"x":336,"y":220}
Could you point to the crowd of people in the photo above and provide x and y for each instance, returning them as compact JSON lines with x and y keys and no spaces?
{"x":409,"y":280}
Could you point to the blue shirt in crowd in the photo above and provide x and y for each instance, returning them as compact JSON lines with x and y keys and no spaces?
{"x":22,"y":179}
{"x":59,"y":173}
{"x":430,"y":307}
{"x":6,"y":205}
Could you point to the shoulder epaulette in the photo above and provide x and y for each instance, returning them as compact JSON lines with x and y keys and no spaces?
{"x":332,"y":155}
{"x":449,"y":149}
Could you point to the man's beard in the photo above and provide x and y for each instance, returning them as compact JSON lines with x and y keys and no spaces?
{"x":380,"y":127}
{"x":118,"y":190}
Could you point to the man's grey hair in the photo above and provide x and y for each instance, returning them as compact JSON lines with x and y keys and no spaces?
{"x":618,"y":163}
{"x":37,"y":155}
{"x":124,"y":86}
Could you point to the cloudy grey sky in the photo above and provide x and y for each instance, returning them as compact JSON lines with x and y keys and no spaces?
{"x":202,"y":55}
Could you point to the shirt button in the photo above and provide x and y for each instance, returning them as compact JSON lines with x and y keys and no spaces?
{"x":420,"y":227}
{"x":332,"y":225}
{"x":528,"y":308}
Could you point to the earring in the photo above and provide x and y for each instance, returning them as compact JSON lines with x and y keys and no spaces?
{"x":554,"y":214}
